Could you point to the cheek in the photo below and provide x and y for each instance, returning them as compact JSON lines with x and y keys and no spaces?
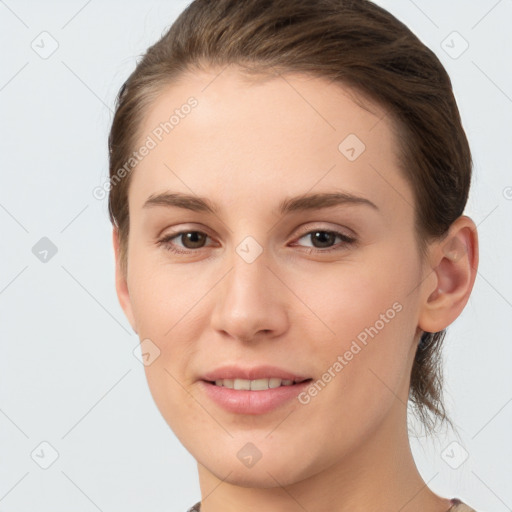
{"x":366,"y":329}
{"x":176,"y":401}
{"x":345,"y":300}
{"x":165,"y":308}
{"x":161,"y":295}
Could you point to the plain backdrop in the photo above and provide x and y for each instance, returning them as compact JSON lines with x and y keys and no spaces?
{"x":79,"y":429}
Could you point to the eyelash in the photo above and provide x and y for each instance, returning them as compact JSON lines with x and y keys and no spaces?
{"x":166,"y":241}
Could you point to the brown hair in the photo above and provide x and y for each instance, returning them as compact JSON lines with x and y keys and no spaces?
{"x":351,"y":42}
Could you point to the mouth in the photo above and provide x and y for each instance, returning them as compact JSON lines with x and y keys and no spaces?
{"x":256,"y":384}
{"x":253,"y":397}
{"x":252,"y":390}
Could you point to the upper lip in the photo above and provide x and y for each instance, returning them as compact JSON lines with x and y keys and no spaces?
{"x":252,"y":373}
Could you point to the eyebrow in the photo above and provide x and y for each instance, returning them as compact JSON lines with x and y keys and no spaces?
{"x":293,"y":204}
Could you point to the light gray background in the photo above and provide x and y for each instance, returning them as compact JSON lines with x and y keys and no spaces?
{"x":68,"y":373}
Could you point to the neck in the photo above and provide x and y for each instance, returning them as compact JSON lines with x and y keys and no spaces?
{"x":378,"y":475}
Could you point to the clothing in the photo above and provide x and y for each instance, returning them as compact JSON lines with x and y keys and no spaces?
{"x":195,"y":508}
{"x":457,"y":506}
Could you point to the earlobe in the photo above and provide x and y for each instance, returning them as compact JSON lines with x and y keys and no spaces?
{"x":123,"y":294}
{"x":454,"y":265}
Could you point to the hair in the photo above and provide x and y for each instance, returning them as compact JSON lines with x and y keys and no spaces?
{"x":354,"y":43}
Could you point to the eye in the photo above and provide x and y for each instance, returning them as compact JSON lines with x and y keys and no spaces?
{"x":325,"y":238}
{"x":192,"y":240}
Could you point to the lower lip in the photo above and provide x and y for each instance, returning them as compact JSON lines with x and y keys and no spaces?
{"x":252,"y":402}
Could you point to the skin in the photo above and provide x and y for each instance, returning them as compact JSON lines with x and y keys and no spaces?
{"x":246,"y":147}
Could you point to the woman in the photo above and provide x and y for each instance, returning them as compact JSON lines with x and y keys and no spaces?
{"x":287,"y":185}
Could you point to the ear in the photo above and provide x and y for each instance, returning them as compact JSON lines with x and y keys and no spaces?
{"x":454,"y":264}
{"x":123,"y":294}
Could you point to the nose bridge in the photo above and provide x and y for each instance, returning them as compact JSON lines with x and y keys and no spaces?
{"x":247,"y":300}
{"x":250,"y":270}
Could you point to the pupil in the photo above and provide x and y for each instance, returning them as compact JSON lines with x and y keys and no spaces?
{"x":192,"y":237}
{"x":323,"y":235}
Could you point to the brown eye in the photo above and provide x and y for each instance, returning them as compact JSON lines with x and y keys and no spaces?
{"x":324,"y":240}
{"x":190,"y":240}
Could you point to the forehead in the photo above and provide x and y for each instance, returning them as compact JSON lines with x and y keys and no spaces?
{"x":281,"y":135}
{"x":228,"y":94}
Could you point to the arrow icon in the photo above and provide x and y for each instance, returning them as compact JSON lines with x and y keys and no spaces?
{"x":249,"y":249}
{"x":351,"y":147}
{"x":44,"y":455}
{"x":454,"y":45}
{"x":249,"y":455}
{"x":146,"y":352}
{"x":44,"y":250}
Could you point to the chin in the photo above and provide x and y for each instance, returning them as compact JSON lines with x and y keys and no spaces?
{"x":268,"y":472}
{"x":262,"y":478}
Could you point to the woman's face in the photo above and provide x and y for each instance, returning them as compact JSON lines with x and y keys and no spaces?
{"x":270,"y":280}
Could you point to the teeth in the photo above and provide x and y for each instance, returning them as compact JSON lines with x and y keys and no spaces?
{"x":253,"y":385}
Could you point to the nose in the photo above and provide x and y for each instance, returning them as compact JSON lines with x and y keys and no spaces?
{"x":251,"y":301}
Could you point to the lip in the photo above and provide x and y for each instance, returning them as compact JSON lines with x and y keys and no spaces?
{"x":256,"y":372}
{"x":247,"y":401}
{"x":252,"y":402}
